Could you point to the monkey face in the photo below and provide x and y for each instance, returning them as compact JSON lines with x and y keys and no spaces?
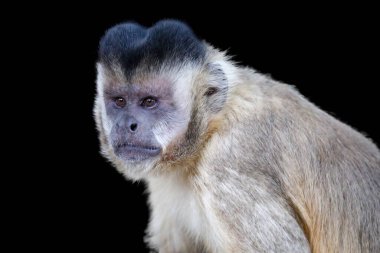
{"x":141,"y":117}
{"x":144,"y":116}
{"x":156,"y":117}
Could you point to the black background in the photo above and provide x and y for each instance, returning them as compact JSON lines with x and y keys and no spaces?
{"x":78,"y":201}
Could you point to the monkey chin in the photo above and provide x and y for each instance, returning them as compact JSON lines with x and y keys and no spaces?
{"x":137,"y":162}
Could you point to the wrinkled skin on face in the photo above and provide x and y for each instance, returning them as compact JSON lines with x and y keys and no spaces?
{"x":135,"y":111}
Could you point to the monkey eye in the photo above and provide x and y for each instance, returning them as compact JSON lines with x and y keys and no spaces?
{"x":149,"y":102}
{"x":211,"y":91}
{"x":120,"y":102}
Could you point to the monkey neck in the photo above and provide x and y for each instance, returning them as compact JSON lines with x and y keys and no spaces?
{"x":184,"y":158}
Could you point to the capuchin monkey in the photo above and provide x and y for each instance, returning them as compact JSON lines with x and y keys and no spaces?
{"x":233,"y":160}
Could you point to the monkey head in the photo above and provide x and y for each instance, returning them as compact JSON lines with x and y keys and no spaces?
{"x":160,"y":92}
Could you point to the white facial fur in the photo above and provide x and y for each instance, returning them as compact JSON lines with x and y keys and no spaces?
{"x":100,"y":81}
{"x":176,"y":122}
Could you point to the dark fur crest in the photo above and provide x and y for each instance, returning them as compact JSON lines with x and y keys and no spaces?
{"x":167,"y":42}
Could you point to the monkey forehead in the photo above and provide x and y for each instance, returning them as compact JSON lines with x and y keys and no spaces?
{"x":160,"y":87}
{"x":168,"y":42}
{"x":112,"y":78}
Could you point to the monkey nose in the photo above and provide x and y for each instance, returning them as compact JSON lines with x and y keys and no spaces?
{"x":133,"y":127}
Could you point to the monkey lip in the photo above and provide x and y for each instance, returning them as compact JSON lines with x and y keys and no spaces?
{"x":136,"y":152}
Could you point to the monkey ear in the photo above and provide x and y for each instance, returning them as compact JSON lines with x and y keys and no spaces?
{"x":217,"y":87}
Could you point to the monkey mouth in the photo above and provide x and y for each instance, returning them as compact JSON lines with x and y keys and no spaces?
{"x":135,"y":152}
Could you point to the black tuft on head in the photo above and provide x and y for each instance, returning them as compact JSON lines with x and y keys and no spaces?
{"x":169,"y":41}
